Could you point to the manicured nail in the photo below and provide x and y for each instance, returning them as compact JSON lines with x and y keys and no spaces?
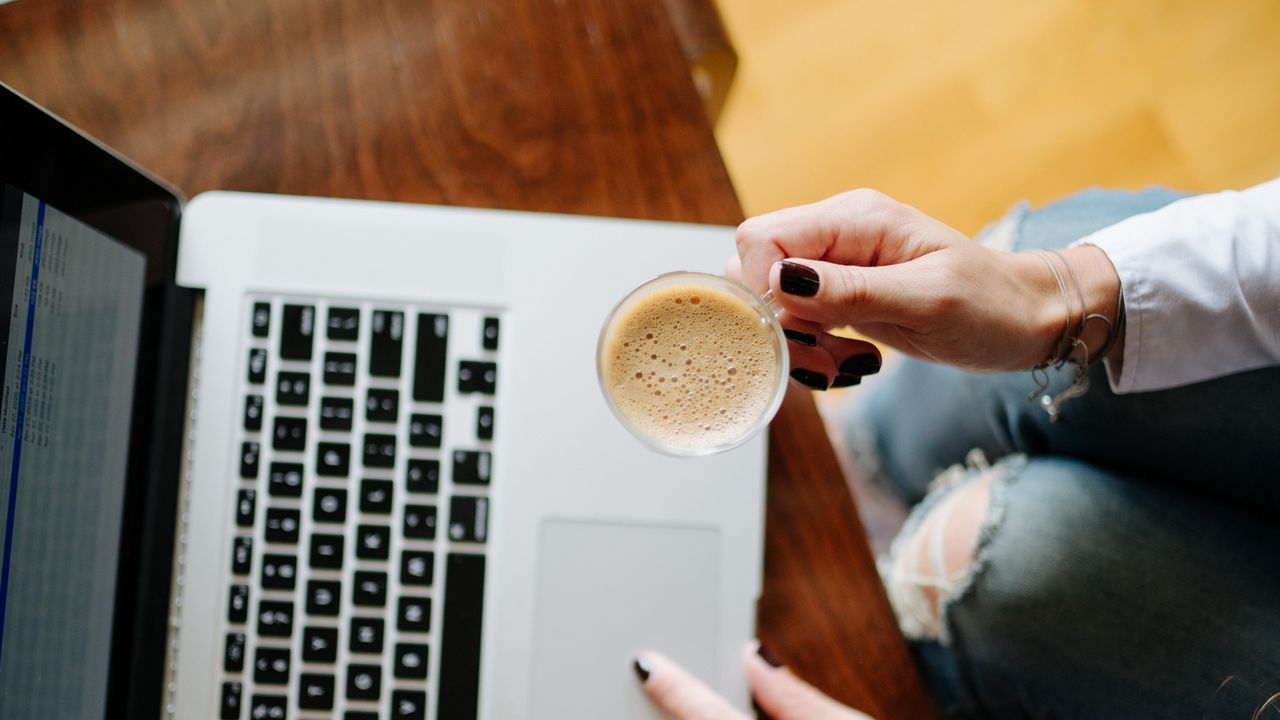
{"x":798,"y":279}
{"x":800,"y":338}
{"x":817,"y":381}
{"x":763,"y":651}
{"x":642,"y":669}
{"x":863,"y":364}
{"x":845,"y":381}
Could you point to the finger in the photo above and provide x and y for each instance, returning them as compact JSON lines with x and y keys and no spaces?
{"x":783,"y":696}
{"x":680,"y":694}
{"x":733,"y":268}
{"x":853,"y":359}
{"x":811,"y":364}
{"x":833,"y":294}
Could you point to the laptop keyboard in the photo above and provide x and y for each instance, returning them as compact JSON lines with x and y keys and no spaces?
{"x":361,"y":511}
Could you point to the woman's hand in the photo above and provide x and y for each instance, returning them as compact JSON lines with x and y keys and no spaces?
{"x":902,"y":278}
{"x":780,"y":694}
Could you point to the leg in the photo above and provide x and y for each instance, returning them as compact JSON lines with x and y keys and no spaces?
{"x":1079,"y":593}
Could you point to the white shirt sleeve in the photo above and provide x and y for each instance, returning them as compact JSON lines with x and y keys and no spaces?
{"x":1201,"y":284}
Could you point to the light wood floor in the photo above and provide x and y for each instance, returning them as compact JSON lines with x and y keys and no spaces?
{"x":964,"y":108}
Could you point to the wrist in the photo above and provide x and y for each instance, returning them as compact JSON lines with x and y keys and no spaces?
{"x":1045,"y":312}
{"x":1100,"y":286}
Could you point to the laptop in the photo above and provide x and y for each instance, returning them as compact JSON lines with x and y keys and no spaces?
{"x":276,"y":457}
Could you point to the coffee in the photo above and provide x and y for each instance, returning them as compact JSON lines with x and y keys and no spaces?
{"x":691,"y":365}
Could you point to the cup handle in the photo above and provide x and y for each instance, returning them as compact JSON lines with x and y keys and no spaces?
{"x":770,"y":302}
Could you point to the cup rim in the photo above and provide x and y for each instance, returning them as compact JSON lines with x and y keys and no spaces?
{"x":766,"y":316}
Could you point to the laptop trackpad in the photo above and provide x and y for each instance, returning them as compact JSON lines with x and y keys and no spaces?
{"x":608,"y":590}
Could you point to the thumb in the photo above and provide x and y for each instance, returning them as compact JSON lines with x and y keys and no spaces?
{"x":833,"y":294}
{"x":783,"y":696}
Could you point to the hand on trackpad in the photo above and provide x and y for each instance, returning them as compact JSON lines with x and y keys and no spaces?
{"x":605,"y":591}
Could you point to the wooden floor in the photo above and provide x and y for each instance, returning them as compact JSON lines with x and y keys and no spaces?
{"x":963,"y":108}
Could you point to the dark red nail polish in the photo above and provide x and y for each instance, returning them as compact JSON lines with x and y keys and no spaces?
{"x":861,"y":364}
{"x":800,"y":338}
{"x":809,"y":378}
{"x":763,"y":651}
{"x":642,"y":670}
{"x":797,"y":279}
{"x":845,"y":380}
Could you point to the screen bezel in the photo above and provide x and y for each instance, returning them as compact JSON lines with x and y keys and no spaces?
{"x":45,"y":157}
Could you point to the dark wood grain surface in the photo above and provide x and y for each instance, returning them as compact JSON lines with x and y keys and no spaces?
{"x":582,"y":106}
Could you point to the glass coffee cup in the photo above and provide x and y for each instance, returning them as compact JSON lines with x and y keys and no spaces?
{"x":692,"y":363}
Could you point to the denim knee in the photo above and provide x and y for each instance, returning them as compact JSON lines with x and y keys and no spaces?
{"x":1094,"y":596}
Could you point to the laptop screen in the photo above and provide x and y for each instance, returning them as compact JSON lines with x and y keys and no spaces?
{"x":72,"y":301}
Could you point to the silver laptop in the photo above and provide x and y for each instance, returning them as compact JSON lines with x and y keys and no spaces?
{"x":338,"y":459}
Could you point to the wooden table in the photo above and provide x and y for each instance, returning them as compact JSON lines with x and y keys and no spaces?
{"x":579,"y":106}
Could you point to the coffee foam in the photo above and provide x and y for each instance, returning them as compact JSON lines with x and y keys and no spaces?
{"x":691,"y":365}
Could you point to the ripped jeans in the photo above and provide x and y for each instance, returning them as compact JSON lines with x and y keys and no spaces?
{"x":1125,"y":561}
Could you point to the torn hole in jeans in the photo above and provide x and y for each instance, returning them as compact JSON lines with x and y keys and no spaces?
{"x":942,"y":548}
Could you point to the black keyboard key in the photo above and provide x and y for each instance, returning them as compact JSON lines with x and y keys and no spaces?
{"x":233,"y":653}
{"x":290,"y":434}
{"x":484,"y":423}
{"x":379,"y":450}
{"x":426,"y":431}
{"x":430,"y":357}
{"x":326,"y":551}
{"x":366,"y":635}
{"x":424,"y":477}
{"x":364,"y":682}
{"x":268,"y":707}
{"x":238,"y":604}
{"x":246,"y":501}
{"x":333,"y":459}
{"x":315,"y":691}
{"x":409,"y":705}
{"x":375,"y":496}
{"x":340,"y":368}
{"x":282,"y":525}
{"x":382,"y":405}
{"x":253,"y":413}
{"x":476,"y":376}
{"x":417,"y":567}
{"x":344,"y":323}
{"x":420,"y":522}
{"x":260,"y":322}
{"x":468,"y":519}
{"x":323,"y":597}
{"x":411,"y":661}
{"x":275,"y":618}
{"x":373,"y":542}
{"x":279,"y":572}
{"x":293,"y":388}
{"x":296,"y":332}
{"x":271,"y":666}
{"x":241,"y":555}
{"x":231,"y":694}
{"x":460,"y":638}
{"x":257,"y":366}
{"x":387,"y":344}
{"x":472,"y":467}
{"x":330,"y":505}
{"x":250,"y":455}
{"x":320,"y":644}
{"x":285,"y":480}
{"x":336,"y":413}
{"x":370,"y":589}
{"x":490,"y":335}
{"x":414,"y":614}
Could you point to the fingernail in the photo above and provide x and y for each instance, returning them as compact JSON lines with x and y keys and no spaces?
{"x":800,"y":338}
{"x":817,"y":381}
{"x":863,"y":364}
{"x":763,"y":651}
{"x":846,"y":380}
{"x":642,"y":670}
{"x":759,"y":711}
{"x":798,"y":279}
